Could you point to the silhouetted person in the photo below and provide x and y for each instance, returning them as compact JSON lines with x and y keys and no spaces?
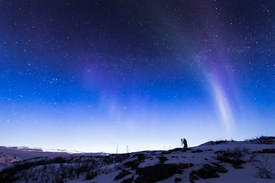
{"x":185,"y":143}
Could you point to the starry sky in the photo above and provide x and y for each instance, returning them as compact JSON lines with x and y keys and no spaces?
{"x":125,"y":75}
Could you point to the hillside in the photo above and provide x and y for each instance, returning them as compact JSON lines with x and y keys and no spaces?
{"x":220,"y":161}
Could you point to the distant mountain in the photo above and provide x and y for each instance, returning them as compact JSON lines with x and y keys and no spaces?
{"x":9,"y":158}
{"x":27,"y":153}
{"x":223,"y":161}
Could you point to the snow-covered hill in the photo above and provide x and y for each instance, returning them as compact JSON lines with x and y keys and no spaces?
{"x":221,"y":161}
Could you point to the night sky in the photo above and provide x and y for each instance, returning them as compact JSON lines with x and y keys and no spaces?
{"x":97,"y":75}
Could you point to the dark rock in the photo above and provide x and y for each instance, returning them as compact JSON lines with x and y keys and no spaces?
{"x":267,"y":151}
{"x":194,"y":176}
{"x":140,"y":156}
{"x":209,"y":150}
{"x":237,"y":166}
{"x":197,"y":151}
{"x":122,"y":174}
{"x":158,"y":172}
{"x":177,"y":179}
{"x":166,"y":152}
{"x":219,"y":168}
{"x":208,"y":171}
{"x":185,"y":165}
{"x":130,"y":180}
{"x":134,"y":164}
{"x":162,"y":159}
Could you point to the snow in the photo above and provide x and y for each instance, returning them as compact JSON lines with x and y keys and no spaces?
{"x":248,"y":174}
{"x":197,"y":156}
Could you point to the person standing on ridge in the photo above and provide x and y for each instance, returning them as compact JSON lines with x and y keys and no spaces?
{"x":185,"y":143}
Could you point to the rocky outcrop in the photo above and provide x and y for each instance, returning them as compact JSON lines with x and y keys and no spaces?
{"x":159,"y":172}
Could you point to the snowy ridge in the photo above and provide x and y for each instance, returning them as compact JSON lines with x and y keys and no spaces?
{"x":212,"y":162}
